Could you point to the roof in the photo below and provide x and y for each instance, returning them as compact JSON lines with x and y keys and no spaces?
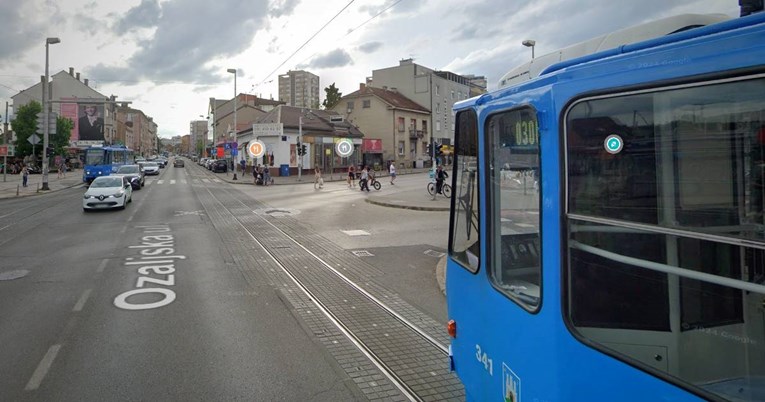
{"x":316,"y":122}
{"x":392,"y":98}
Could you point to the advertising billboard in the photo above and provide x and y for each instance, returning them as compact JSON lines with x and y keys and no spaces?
{"x":90,"y":124}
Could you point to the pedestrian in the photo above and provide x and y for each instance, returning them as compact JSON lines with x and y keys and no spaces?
{"x":392,"y":170}
{"x":364,"y":177}
{"x":24,"y":175}
{"x":243,"y":164}
{"x":267,"y":176}
{"x":441,"y":175}
{"x":351,"y":176}
{"x":257,"y":174}
{"x":318,"y":181}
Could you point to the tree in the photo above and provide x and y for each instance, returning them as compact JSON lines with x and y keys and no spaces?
{"x":60,"y":141}
{"x":25,"y":124}
{"x":333,"y":96}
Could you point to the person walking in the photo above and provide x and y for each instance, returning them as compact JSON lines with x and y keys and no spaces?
{"x":364,"y":178}
{"x":351,"y":176}
{"x":392,"y":171}
{"x":243,"y":165}
{"x":24,"y":175}
{"x":318,"y":181}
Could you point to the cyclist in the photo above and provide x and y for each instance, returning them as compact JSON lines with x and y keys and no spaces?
{"x":441,"y":175}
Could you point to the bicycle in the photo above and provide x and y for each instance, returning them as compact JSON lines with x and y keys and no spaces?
{"x":372,"y":182}
{"x":446,"y":189}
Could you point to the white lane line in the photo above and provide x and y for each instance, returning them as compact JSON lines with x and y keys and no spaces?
{"x":160,"y":181}
{"x":42,"y":368}
{"x":83,"y":299}
{"x":102,"y":265}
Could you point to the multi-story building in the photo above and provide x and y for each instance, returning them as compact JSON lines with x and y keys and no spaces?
{"x":401,"y":125}
{"x":300,"y":89}
{"x":140,"y":129}
{"x":198,"y":131}
{"x":435,"y":90}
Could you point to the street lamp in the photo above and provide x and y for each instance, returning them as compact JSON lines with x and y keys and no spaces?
{"x":46,"y":113}
{"x":530,"y":43}
{"x":233,"y":162}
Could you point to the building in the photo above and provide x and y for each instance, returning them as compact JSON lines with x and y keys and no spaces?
{"x":198,"y":137}
{"x":402,"y":125}
{"x":435,"y":90}
{"x":249,"y":109}
{"x":300,"y":89}
{"x":140,"y":130}
{"x":319,"y":130}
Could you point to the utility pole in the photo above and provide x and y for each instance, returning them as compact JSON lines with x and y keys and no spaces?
{"x":5,"y":141}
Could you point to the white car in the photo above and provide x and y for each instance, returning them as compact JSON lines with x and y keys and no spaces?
{"x":107,"y":192}
{"x":150,"y":168}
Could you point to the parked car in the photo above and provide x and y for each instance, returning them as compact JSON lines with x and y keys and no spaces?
{"x":150,"y":168}
{"x":134,"y":175}
{"x":178,"y":162}
{"x":219,"y":166}
{"x":107,"y":192}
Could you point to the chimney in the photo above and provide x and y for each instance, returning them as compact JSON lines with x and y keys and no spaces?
{"x":78,"y":76}
{"x":86,"y":82}
{"x":71,"y":71}
{"x":362,"y":86}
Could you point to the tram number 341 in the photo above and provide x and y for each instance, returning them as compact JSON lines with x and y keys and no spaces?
{"x":484,"y":359}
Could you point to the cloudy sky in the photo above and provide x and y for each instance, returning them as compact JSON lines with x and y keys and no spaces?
{"x":169,"y":57}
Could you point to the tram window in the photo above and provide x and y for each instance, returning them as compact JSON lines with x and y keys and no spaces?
{"x":464,"y":244}
{"x":514,"y":251}
{"x":666,"y":234}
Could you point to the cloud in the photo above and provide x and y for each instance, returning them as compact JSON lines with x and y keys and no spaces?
{"x":186,"y":39}
{"x":23,"y":28}
{"x":145,"y":15}
{"x":281,"y":8}
{"x":333,"y":59}
{"x":370,"y":47}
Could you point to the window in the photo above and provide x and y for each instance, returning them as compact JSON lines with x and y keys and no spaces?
{"x":515,"y":254}
{"x":437,"y":90}
{"x":413,"y":124}
{"x":464,"y":246}
{"x":438,"y":107}
{"x":350,"y":105}
{"x":438,"y":125}
{"x":452,"y":95}
{"x":663,"y":191}
{"x":401,"y":148}
{"x":401,"y":124}
{"x":366,"y":104}
{"x":425,"y":127}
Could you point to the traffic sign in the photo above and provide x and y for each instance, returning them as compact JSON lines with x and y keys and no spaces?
{"x":344,"y":147}
{"x":33,"y":139}
{"x":7,"y":150}
{"x":256,"y":149}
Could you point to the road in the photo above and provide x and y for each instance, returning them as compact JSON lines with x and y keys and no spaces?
{"x":205,"y":290}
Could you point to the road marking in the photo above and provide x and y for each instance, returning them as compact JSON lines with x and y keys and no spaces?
{"x":42,"y":368}
{"x":83,"y":299}
{"x":355,"y":232}
{"x":160,"y":181}
{"x":172,"y":181}
{"x":102,"y":265}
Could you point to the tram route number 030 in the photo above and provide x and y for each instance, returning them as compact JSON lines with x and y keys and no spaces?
{"x":487,"y":362}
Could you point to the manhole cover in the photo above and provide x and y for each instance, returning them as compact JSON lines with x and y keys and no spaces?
{"x":11,"y":275}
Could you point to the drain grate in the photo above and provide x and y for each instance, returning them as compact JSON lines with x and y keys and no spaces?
{"x":362,"y":253}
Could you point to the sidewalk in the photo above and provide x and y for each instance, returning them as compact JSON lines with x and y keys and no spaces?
{"x":388,"y":196}
{"x":11,"y":187}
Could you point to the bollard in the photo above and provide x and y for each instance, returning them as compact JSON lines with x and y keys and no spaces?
{"x":17,"y":190}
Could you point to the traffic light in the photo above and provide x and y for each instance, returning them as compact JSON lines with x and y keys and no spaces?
{"x":50,"y":152}
{"x":439,"y":151}
{"x":302,"y":149}
{"x":299,"y":149}
{"x":430,"y":149}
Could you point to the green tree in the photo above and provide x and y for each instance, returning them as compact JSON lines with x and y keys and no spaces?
{"x":25,"y":124}
{"x":60,"y":141}
{"x":333,"y":96}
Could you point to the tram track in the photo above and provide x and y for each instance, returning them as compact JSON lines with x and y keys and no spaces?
{"x":411,"y":358}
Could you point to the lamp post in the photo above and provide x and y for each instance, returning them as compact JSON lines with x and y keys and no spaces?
{"x":46,"y":113}
{"x":530,"y":43}
{"x":233,"y":162}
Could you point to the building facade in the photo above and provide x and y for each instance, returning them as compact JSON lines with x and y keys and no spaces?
{"x":300,"y":89}
{"x":437,"y":91}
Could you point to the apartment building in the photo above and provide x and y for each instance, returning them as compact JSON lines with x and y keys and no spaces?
{"x":300,"y":89}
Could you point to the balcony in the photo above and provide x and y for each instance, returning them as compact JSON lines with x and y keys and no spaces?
{"x":416,"y":134}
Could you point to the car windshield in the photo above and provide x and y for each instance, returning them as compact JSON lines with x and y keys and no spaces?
{"x":150,"y":164}
{"x":102,"y":182}
{"x":128,"y":169}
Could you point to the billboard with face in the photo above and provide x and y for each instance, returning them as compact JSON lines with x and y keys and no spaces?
{"x":90,"y":125}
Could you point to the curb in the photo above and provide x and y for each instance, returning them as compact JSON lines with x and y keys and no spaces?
{"x":441,"y":274}
{"x":402,"y":206}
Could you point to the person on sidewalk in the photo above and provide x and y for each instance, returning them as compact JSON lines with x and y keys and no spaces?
{"x":243,"y":165}
{"x":318,"y":181}
{"x":392,"y":171}
{"x":351,"y":176}
{"x":364,"y":178}
{"x":24,"y":175}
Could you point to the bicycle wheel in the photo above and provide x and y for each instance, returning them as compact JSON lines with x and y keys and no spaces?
{"x":447,"y":190}
{"x":431,"y":188}
{"x":376,"y":185}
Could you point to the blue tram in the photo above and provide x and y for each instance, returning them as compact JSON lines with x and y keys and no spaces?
{"x":105,"y":160}
{"x":607,"y":236}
